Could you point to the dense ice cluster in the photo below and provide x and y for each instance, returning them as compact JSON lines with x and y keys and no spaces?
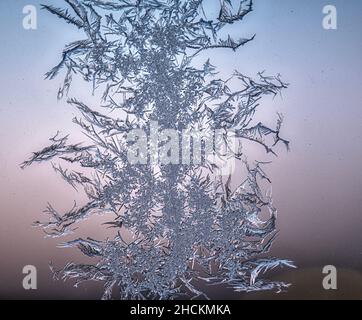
{"x":189,"y":226}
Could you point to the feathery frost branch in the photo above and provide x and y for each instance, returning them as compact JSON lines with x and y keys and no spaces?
{"x":177,"y":223}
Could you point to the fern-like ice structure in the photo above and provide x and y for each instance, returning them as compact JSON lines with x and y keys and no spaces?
{"x":188,"y":225}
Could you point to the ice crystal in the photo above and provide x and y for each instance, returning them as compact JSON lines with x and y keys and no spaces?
{"x":188,"y":225}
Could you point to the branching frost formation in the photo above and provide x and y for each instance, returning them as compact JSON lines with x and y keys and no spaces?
{"x":188,"y":226}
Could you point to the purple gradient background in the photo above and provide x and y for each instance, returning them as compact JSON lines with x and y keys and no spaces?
{"x":317,"y":187}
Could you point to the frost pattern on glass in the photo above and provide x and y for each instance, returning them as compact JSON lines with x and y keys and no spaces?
{"x":189,"y":227}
